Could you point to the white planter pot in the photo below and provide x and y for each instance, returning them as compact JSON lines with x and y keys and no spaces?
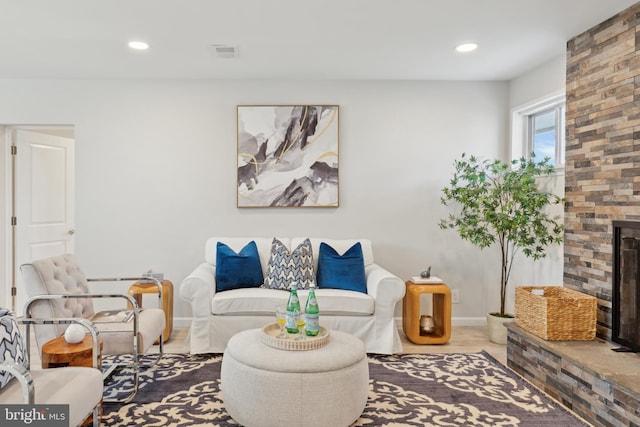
{"x":497,"y":330}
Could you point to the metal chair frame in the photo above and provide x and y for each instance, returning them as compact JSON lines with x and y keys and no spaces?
{"x":136,"y":313}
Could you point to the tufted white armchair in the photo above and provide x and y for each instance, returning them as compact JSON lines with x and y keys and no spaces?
{"x":58,"y":287}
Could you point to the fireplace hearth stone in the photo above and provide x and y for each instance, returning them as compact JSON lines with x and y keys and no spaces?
{"x":598,"y":384}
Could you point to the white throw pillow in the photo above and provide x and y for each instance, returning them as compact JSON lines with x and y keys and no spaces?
{"x":286,"y":267}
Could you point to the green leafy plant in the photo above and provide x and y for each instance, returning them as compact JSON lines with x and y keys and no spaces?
{"x":500,"y":203}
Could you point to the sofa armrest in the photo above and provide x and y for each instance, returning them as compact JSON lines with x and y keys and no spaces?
{"x":198,"y":288}
{"x":385,"y":287}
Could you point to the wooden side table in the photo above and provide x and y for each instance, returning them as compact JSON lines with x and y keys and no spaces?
{"x":441,"y":313}
{"x":58,"y":352}
{"x":137,"y":289}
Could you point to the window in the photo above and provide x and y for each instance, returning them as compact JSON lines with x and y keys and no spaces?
{"x":545,"y":134}
{"x":539,"y":127}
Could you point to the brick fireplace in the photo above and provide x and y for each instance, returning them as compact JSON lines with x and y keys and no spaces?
{"x":602,"y":185}
{"x":602,"y":175}
{"x":626,"y":284}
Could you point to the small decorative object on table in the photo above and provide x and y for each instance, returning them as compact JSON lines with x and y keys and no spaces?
{"x":75,"y":333}
{"x":431,"y":280}
{"x":426,"y":274}
{"x":427,"y":325}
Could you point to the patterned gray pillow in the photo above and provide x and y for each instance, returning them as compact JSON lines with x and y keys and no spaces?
{"x":12,"y":345}
{"x":287,"y":267}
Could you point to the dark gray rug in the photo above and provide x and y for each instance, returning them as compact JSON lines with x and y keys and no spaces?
{"x":404,"y":390}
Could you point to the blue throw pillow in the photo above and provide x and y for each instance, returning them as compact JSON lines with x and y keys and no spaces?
{"x":237,"y":270}
{"x":341,"y":272}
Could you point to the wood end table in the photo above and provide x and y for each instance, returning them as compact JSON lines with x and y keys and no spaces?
{"x":138,"y":288}
{"x":58,"y":352}
{"x":441,"y":306}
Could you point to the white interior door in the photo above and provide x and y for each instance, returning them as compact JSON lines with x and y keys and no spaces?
{"x":44,"y":199}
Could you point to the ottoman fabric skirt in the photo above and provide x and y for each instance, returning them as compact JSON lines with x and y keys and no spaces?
{"x":267,"y":396}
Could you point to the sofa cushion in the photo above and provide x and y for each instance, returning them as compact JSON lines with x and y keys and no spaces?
{"x":338,"y":302}
{"x":286,"y":267}
{"x":237,"y":270}
{"x":258,"y":301}
{"x":344,"y":271}
{"x":249,"y":301}
{"x":12,"y":345}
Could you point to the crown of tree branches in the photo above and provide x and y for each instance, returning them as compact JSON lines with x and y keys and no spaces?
{"x":500,"y":202}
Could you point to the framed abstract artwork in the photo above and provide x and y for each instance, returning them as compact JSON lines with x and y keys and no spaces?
{"x":288,"y":156}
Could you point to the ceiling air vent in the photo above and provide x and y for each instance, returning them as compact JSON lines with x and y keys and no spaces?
{"x":223,"y":51}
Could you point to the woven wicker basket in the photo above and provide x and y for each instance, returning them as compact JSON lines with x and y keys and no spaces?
{"x":558,"y":314}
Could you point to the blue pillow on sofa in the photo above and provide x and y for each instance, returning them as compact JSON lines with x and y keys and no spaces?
{"x":237,"y":270}
{"x":344,"y":271}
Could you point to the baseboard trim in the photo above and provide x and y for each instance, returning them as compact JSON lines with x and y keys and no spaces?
{"x":456,"y":321}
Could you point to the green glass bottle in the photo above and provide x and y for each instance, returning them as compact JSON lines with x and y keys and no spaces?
{"x":312,"y":313}
{"x":293,"y":310}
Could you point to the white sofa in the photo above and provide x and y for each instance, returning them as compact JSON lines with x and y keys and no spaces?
{"x":218,"y":316}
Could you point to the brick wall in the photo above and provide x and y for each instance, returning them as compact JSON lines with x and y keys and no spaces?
{"x":570,"y":372}
{"x":603,"y":152}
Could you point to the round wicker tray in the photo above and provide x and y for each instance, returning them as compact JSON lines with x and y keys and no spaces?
{"x":270,"y":332}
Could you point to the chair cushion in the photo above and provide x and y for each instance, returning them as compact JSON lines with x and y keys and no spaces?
{"x":344,"y":271}
{"x":151,"y":324}
{"x":286,"y":267}
{"x":12,"y":345}
{"x":237,"y":270}
{"x":78,"y":387}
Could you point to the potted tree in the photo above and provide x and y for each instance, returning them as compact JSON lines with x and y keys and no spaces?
{"x":500,"y":203}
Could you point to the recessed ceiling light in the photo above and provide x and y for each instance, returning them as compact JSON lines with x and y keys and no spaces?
{"x":466,"y":47}
{"x":138,"y":45}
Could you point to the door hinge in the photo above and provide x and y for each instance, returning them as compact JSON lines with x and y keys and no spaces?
{"x":14,"y":150}
{"x":14,"y":220}
{"x":13,"y":292}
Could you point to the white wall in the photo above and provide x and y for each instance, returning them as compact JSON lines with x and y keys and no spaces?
{"x":155,"y":173}
{"x":540,"y":83}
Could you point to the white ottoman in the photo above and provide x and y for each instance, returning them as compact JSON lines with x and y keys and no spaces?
{"x":264,"y":386}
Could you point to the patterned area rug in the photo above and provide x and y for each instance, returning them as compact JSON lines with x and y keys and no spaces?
{"x":404,"y":390}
